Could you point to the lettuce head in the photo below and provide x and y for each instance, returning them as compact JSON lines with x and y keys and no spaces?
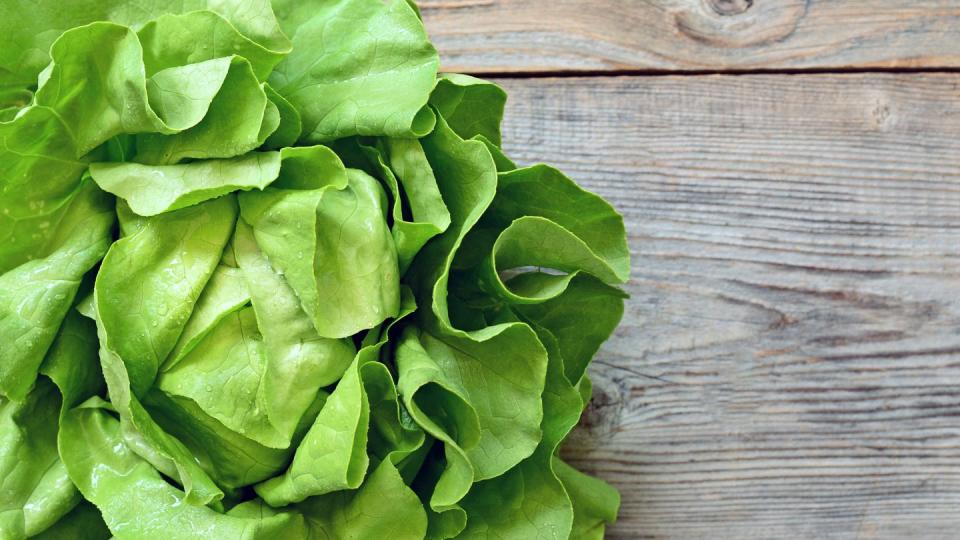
{"x":264,"y":273}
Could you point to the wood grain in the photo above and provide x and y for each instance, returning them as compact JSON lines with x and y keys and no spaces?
{"x":497,"y":36}
{"x":789,"y":362}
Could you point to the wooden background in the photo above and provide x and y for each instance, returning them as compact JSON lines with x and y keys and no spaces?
{"x":789,"y":170}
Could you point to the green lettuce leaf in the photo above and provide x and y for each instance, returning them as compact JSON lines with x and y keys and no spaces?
{"x":342,"y":262}
{"x":136,"y":502}
{"x":105,"y":62}
{"x":151,"y":190}
{"x":173,"y":40}
{"x":29,"y":28}
{"x":36,"y":294}
{"x":402,"y":165}
{"x":35,"y":491}
{"x":363,"y":411}
{"x":383,"y":507}
{"x":470,"y":106}
{"x":237,"y":117}
{"x":374,"y":79}
{"x":265,"y":361}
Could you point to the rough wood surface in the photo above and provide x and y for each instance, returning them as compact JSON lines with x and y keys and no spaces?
{"x":789,"y":362}
{"x":598,"y":35}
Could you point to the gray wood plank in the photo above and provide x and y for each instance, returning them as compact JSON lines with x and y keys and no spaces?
{"x":493,"y":36}
{"x":789,"y":362}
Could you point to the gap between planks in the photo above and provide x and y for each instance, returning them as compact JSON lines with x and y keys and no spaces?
{"x":560,"y":74}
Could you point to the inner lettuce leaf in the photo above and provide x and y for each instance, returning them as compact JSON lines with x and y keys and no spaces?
{"x":334,"y":248}
{"x":265,"y":273}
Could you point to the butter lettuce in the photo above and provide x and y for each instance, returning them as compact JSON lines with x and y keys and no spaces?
{"x":264,"y":273}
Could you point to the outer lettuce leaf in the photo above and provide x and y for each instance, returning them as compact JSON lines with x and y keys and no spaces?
{"x":36,"y":492}
{"x":470,"y":106}
{"x":28,"y":28}
{"x":374,"y":78}
{"x":173,"y":40}
{"x":501,"y":371}
{"x":151,"y":190}
{"x":441,"y":407}
{"x":543,"y":191}
{"x":532,"y":241}
{"x":36,"y":145}
{"x":135,"y":500}
{"x":550,"y":486}
{"x":72,"y":363}
{"x":526,"y":502}
{"x":35,"y":295}
{"x":498,"y":505}
{"x":238,"y":117}
{"x":188,"y":91}
{"x":383,"y":507}
{"x":594,"y":502}
{"x":97,"y":83}
{"x":51,"y":233}
{"x":530,"y":500}
{"x":291,"y":125}
{"x":412,"y":168}
{"x":510,"y":353}
{"x":546,"y":497}
{"x":504,"y":163}
{"x":578,"y":341}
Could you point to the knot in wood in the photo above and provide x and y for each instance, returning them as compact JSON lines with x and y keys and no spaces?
{"x":727,"y":8}
{"x":734,"y":24}
{"x":602,"y":418}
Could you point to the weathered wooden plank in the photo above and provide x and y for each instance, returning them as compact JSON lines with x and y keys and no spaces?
{"x":491,"y":36}
{"x":789,"y":362}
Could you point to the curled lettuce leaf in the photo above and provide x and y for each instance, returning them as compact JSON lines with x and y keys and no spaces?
{"x":264,"y":273}
{"x":152,"y":190}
